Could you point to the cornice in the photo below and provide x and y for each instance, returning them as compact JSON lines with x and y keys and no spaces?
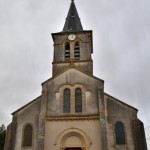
{"x":68,"y":118}
{"x":74,"y":61}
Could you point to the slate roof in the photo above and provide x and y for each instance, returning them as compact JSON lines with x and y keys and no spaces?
{"x":73,"y":22}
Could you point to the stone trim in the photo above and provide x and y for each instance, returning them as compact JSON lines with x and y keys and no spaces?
{"x":62,"y":118}
{"x":74,"y":61}
{"x":86,"y":73}
{"x":72,"y":89}
{"x":63,"y":136}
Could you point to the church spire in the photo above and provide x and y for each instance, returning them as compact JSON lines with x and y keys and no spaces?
{"x":73,"y":22}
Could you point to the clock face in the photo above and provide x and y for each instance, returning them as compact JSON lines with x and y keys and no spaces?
{"x":71,"y":37}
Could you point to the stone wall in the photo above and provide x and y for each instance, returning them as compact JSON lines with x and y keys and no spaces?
{"x":118,"y":111}
{"x":139,"y":135}
{"x":27,"y":115}
{"x":84,"y":132}
{"x":86,"y":47}
{"x":73,"y":79}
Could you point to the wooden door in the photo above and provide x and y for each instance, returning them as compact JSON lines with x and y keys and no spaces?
{"x":75,"y":148}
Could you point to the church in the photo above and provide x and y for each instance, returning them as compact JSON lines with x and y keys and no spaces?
{"x":73,"y":111}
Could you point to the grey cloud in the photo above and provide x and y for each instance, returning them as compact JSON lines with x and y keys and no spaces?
{"x":121,"y":49}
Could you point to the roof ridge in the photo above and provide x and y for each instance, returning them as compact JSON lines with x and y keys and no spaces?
{"x":120,"y":101}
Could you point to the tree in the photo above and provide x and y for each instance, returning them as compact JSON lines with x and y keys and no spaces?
{"x":2,"y":136}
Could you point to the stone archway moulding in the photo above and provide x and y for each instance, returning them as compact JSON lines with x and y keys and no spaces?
{"x":60,"y":141}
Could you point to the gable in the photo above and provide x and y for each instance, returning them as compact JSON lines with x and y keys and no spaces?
{"x":72,"y":79}
{"x":118,"y":110}
{"x":74,"y":71}
{"x":120,"y":102}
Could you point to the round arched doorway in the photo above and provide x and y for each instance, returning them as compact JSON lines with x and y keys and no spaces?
{"x":73,"y":139}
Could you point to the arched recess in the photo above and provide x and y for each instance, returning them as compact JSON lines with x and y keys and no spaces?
{"x":77,"y":50}
{"x":67,"y":51}
{"x":27,"y":135}
{"x":119,"y":133}
{"x":66,"y":101}
{"x":72,"y":138}
{"x":78,"y":100}
{"x":72,"y":88}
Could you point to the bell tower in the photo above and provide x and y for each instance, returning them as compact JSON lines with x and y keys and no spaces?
{"x":73,"y":46}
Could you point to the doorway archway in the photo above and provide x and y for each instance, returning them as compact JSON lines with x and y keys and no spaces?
{"x":73,"y":139}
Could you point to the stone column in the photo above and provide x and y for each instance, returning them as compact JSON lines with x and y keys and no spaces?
{"x":41,"y":128}
{"x":139,"y":135}
{"x":13,"y":129}
{"x":103,"y":117}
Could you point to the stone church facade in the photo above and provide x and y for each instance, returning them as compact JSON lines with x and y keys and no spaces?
{"x":73,"y":111}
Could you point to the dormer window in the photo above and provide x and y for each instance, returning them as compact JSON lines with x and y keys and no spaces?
{"x":77,"y":51}
{"x":67,"y":51}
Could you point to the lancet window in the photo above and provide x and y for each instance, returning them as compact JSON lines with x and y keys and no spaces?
{"x":78,"y":100}
{"x":66,"y":107}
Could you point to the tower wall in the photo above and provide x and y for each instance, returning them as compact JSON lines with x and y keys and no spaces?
{"x":85,"y":61}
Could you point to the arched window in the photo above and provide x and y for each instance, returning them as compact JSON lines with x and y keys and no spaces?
{"x":66,"y":108}
{"x":67,"y":51}
{"x":78,"y":100}
{"x":119,"y":132}
{"x":77,"y":51}
{"x":27,"y":136}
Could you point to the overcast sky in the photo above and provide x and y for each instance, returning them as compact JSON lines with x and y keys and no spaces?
{"x":121,"y":32}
